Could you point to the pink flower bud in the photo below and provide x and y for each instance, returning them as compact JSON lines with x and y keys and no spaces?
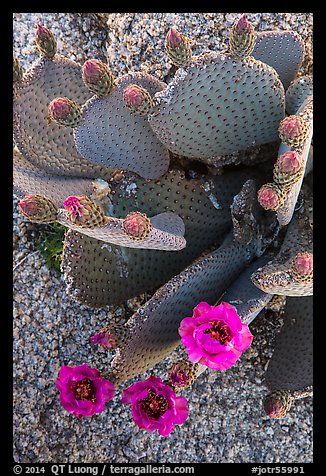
{"x":93,"y":70}
{"x":269,"y":197}
{"x":65,"y":112}
{"x":242,"y":24}
{"x":173,"y":38}
{"x":289,"y":162}
{"x":277,"y":404}
{"x":137,"y":225}
{"x":45,"y":41}
{"x":133,"y":96}
{"x":38,"y":208}
{"x":303,"y":263}
{"x":97,"y":77}
{"x":60,"y":108}
{"x":293,"y":130}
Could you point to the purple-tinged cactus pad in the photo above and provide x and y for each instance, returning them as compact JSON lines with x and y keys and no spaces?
{"x":291,"y":366}
{"x":98,"y":274}
{"x":29,"y":179}
{"x":283,"y":50}
{"x":48,"y":145}
{"x":113,"y":232}
{"x":111,"y":135}
{"x":218,"y":105}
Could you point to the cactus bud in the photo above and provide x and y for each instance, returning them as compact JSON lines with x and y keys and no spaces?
{"x":270,"y":196}
{"x":288,"y":169}
{"x":64,"y":112}
{"x":106,"y":338}
{"x":137,"y":225}
{"x":45,"y":42}
{"x":293,"y":130}
{"x":178,"y":48}
{"x":18,"y":71}
{"x":137,"y":99}
{"x":97,"y":77}
{"x":242,"y":38}
{"x":38,"y":208}
{"x":84,"y":212}
{"x":277,"y":404}
{"x":182,"y":374}
{"x":302,"y":266}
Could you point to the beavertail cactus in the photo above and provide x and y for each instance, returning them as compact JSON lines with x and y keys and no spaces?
{"x":172,"y":191}
{"x":219,"y":100}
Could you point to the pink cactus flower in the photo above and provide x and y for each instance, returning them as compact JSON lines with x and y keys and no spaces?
{"x":83,"y":391}
{"x":73,"y":206}
{"x":215,"y":336}
{"x":155,"y":406}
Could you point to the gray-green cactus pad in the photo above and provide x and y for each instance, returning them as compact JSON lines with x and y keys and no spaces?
{"x":283,"y":50}
{"x":153,"y":330}
{"x":297,"y":93}
{"x":217,"y":106}
{"x":291,"y":366}
{"x":110,"y":135}
{"x":49,"y":146}
{"x":98,"y":274}
{"x":247,"y":298}
{"x":29,"y":179}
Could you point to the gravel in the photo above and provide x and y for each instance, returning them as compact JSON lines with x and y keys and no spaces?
{"x":226,"y":421}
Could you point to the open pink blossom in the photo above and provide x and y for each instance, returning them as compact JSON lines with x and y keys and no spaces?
{"x":83,"y":391}
{"x":155,"y":406}
{"x":215,"y":336}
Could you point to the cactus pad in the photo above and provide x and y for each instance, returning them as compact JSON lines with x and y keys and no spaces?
{"x":282,"y":275}
{"x":110,"y":135}
{"x":29,"y":179}
{"x":247,"y":298}
{"x":99,"y":274}
{"x":297,"y":93}
{"x":283,"y":50}
{"x":217,"y":106}
{"x":112,"y":231}
{"x":49,"y":146}
{"x":291,"y":365}
{"x":153,"y":329}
